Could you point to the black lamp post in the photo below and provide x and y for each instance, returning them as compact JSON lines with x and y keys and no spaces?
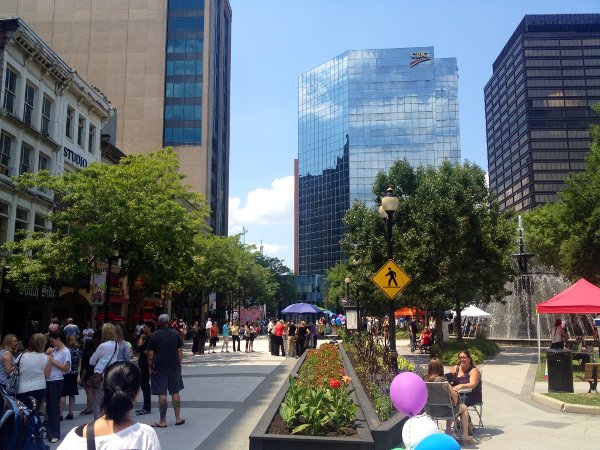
{"x":389,"y":205}
{"x":110,"y":259}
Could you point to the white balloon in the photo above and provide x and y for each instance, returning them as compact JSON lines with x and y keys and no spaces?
{"x":416,"y":429}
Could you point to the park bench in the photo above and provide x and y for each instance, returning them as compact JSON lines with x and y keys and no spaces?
{"x":591,"y":376}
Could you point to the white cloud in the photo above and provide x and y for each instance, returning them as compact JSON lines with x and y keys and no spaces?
{"x":264,"y":206}
{"x":270,"y":249}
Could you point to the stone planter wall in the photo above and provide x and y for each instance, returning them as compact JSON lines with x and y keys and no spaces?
{"x":260,"y":440}
{"x":386,"y":435}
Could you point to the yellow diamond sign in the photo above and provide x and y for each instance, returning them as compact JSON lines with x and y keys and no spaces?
{"x":391,"y":279}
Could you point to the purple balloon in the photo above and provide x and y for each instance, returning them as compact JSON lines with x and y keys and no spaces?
{"x":408,"y":393}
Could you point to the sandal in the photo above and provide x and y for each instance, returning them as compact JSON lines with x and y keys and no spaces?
{"x":85,"y":412}
{"x":141,"y":412}
{"x":469,"y":441}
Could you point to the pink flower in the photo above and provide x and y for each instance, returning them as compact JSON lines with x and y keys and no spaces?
{"x":346,"y":379}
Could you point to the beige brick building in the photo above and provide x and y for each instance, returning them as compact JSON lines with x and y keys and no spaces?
{"x":165,"y":65}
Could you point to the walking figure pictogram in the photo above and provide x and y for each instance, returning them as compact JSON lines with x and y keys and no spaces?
{"x":392,"y":277}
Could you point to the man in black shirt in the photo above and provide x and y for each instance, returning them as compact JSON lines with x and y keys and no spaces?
{"x":291,"y":350}
{"x":165,"y":356}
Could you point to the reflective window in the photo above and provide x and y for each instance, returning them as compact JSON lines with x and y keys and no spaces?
{"x":10,"y":90}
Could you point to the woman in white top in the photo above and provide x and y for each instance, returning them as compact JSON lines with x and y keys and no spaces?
{"x":115,"y":429}
{"x":558,"y":337}
{"x":60,"y":362}
{"x":34,"y":368}
{"x":111,"y":350}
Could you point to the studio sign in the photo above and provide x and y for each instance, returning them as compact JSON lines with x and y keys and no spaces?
{"x":75,"y":158}
{"x":419,"y":57}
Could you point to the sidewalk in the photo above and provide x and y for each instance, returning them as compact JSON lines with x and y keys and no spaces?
{"x":512,"y":420}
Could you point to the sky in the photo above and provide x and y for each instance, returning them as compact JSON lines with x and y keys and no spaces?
{"x":274,"y":41}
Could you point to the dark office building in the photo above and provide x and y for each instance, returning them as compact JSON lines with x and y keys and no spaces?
{"x":538,"y":107}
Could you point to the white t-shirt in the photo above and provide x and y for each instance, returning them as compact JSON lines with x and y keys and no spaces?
{"x":138,"y":436}
{"x":31,"y":371}
{"x":61,"y":356}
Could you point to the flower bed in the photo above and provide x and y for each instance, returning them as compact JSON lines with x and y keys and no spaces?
{"x":321,"y":382}
{"x":318,"y":401}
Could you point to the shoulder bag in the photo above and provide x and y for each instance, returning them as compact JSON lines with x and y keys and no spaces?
{"x":96,"y":378}
{"x":13,"y":380}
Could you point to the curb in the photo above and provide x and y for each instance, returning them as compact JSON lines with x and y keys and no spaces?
{"x":564,"y":407}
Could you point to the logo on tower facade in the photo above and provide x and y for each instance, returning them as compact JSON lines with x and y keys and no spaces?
{"x":419,"y":57}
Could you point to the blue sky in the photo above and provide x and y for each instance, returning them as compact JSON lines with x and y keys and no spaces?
{"x":274,"y":41}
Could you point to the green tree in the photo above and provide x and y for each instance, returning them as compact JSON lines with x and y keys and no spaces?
{"x":139,"y":207}
{"x":449,"y":235}
{"x":566,"y":234}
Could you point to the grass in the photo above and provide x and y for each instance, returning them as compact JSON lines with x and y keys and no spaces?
{"x":577,"y":399}
{"x":577,"y":370}
{"x":592,"y":399}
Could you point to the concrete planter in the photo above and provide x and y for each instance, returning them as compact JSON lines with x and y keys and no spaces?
{"x":386,"y":435}
{"x":260,"y":440}
{"x":372,"y":433}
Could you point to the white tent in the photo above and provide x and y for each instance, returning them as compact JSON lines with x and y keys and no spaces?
{"x":474,"y":311}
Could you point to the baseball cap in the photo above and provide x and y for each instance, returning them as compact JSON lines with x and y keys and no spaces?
{"x":164,"y":318}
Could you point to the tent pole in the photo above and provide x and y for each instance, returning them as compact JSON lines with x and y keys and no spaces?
{"x":539,"y":341}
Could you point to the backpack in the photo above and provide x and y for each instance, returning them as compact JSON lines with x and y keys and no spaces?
{"x":20,"y":427}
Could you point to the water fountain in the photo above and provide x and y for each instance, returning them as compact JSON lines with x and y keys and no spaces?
{"x":514,"y":318}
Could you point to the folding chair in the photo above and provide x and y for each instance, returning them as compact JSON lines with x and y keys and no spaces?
{"x":439,"y":404}
{"x":478,"y":407}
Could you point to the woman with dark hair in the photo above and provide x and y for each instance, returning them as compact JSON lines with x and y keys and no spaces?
{"x":435,"y":373}
{"x":60,"y":360}
{"x":70,"y":387}
{"x":116,"y":429}
{"x":468,"y":376}
{"x":558,"y":337}
{"x":143,"y":365}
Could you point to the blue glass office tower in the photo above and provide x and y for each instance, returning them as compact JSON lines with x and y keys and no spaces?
{"x":358,"y":113}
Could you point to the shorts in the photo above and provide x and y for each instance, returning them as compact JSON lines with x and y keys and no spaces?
{"x":169,"y":380}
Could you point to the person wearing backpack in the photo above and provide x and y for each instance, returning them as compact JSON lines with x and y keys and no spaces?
{"x":116,"y":428}
{"x":413,"y":330}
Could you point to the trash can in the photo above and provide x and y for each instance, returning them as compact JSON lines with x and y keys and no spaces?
{"x":560,"y":370}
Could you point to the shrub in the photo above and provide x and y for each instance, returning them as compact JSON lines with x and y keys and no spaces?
{"x":479,"y":348}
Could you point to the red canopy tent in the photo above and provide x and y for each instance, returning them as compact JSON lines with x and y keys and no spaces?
{"x":580,"y":298}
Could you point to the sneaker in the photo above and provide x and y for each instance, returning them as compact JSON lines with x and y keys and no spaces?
{"x":53,"y":440}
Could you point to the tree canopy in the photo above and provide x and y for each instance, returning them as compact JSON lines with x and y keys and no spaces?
{"x":566,"y":234}
{"x":448,"y":233}
{"x":139,"y":208}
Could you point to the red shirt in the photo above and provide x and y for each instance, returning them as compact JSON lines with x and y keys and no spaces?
{"x":279,"y":329}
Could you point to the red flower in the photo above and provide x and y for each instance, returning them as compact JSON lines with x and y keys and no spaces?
{"x":334,"y":384}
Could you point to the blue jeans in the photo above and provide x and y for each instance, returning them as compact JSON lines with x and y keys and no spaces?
{"x":53,"y":394}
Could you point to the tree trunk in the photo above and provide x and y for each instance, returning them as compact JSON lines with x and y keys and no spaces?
{"x":439,"y":332}
{"x":457,"y":322}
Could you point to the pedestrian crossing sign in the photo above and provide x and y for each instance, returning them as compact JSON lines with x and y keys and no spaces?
{"x":391,"y":279}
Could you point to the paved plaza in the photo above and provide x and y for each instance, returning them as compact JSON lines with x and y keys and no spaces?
{"x":227,"y":393}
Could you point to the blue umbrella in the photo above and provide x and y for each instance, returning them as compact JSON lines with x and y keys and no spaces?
{"x":301,"y":308}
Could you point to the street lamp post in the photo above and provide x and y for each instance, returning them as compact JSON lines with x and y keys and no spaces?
{"x":347,"y":281}
{"x":389,"y":205}
{"x":110,"y":258}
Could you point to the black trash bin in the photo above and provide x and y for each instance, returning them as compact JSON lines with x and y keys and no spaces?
{"x":560,"y":370}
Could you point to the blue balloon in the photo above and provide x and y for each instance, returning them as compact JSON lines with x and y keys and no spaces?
{"x":439,"y":441}
{"x":338,"y":321}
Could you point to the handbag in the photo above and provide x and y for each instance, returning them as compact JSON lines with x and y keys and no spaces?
{"x":96,"y":379}
{"x":13,"y":380}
